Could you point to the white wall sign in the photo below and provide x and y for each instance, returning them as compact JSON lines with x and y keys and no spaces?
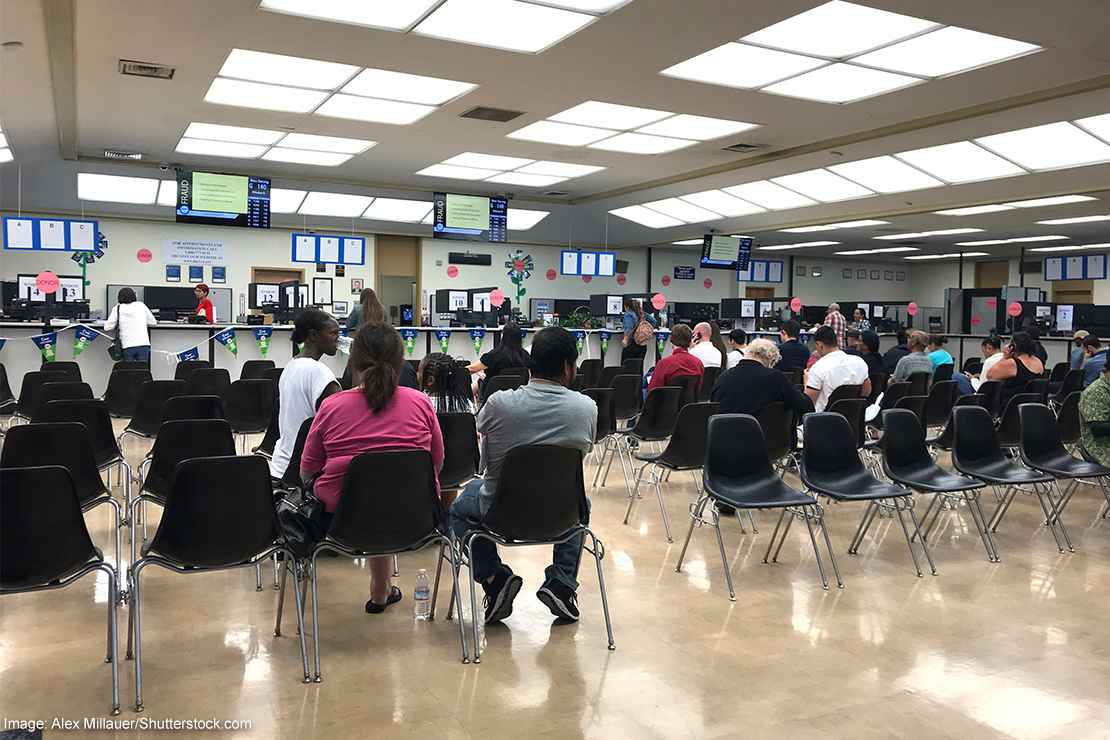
{"x":194,"y":252}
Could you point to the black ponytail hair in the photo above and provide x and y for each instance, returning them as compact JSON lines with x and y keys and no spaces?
{"x":309,"y":320}
{"x":377,"y":355}
{"x":440,"y":375}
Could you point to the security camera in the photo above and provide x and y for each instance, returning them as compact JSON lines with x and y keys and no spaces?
{"x":163,"y":167}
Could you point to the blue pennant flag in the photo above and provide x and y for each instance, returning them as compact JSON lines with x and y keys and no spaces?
{"x":444,"y":336}
{"x":192,"y":353}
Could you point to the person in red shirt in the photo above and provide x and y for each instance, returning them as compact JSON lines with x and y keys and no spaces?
{"x":680,"y":362}
{"x":204,"y":304}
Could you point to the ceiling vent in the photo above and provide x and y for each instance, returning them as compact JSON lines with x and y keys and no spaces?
{"x":121,"y":154}
{"x":743,"y":148}
{"x":496,"y":115}
{"x":146,"y":69}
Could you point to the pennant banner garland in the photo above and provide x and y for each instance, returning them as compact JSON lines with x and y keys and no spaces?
{"x":409,"y":337}
{"x":2,"y":343}
{"x":661,"y":342}
{"x":604,"y":336}
{"x":579,"y":340}
{"x":444,"y":337}
{"x":262,"y":335}
{"x":83,"y":336}
{"x":477,"y":335}
{"x":226,"y":337}
{"x":193,"y":353}
{"x":48,"y":345}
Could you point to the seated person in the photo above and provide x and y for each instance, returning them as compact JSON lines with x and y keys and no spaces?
{"x":896,"y":353}
{"x":1095,"y":355}
{"x":916,"y":361}
{"x":545,"y":411}
{"x":852,"y":342}
{"x":708,"y":346}
{"x":446,"y":383}
{"x":1019,"y":365}
{"x":869,"y":351}
{"x":509,"y":353}
{"x":859,"y":321}
{"x":992,"y":353}
{"x":1075,"y":359}
{"x":834,"y":368}
{"x":753,"y":384}
{"x":795,"y":355}
{"x":305,"y":382}
{"x":680,"y":362}
{"x":938,"y":355}
{"x":738,"y":341}
{"x":1094,"y":417}
{"x":377,"y":414}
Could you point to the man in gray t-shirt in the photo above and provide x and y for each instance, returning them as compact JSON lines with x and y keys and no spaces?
{"x":916,"y":361}
{"x":545,"y":411}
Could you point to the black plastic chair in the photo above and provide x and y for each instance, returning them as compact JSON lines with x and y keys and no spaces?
{"x":30,"y":392}
{"x":219,"y":514}
{"x":605,"y":380}
{"x":919,"y":383}
{"x":274,"y":376}
{"x":540,"y":500}
{"x":148,"y":412}
{"x":387,"y":506}
{"x":943,"y":373}
{"x":942,"y":397}
{"x":879,"y":382}
{"x":906,"y":461}
{"x":916,"y":404}
{"x":66,"y":390}
{"x":635,"y":365}
{"x":178,"y":408}
{"x":1060,"y":371}
{"x":129,"y":365}
{"x":291,"y":478}
{"x":1072,"y":382}
{"x":831,"y":467}
{"x":1038,"y":388}
{"x":689,"y":385}
{"x":606,"y":420}
{"x":256,"y":369}
{"x":738,"y":473}
{"x":67,"y":444}
{"x":708,"y":380}
{"x":654,"y":423}
{"x":657,"y":418}
{"x":270,"y":439}
{"x":976,"y":452}
{"x":1009,"y":426}
{"x":685,"y":450}
{"x":796,"y":376}
{"x":854,"y":410}
{"x":590,"y":372}
{"x":943,"y":440}
{"x":461,"y":456}
{"x":894,"y":393}
{"x":45,"y":544}
{"x":844,"y":393}
{"x":500,"y":382}
{"x":93,"y":413}
{"x":124,"y":388}
{"x":991,"y":391}
{"x":247,"y":407}
{"x":1067,"y":420}
{"x":972,"y":366}
{"x":207,"y":381}
{"x":780,"y":434}
{"x":6,"y":397}
{"x":185,"y":368}
{"x":69,"y":368}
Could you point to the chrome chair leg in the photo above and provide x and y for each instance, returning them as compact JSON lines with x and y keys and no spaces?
{"x":315,"y":618}
{"x":828,"y":544}
{"x":298,"y":602}
{"x":816,"y":552}
{"x":456,"y":596}
{"x":976,"y":511}
{"x":474,"y":614}
{"x":724,"y":557}
{"x":113,"y":635}
{"x":135,"y":616}
{"x":635,"y":492}
{"x":905,"y":530}
{"x":599,"y":552}
{"x":785,"y":531}
{"x":258,"y":576}
{"x":861,"y":530}
{"x":917,"y":530}
{"x":662,"y":506}
{"x":435,"y":583}
{"x":396,"y":567}
{"x":774,"y":535}
{"x":1047,"y":509}
{"x":696,"y":510}
{"x":281,"y":601}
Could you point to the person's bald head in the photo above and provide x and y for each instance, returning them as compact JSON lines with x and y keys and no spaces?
{"x":702,"y":331}
{"x":834,"y":308}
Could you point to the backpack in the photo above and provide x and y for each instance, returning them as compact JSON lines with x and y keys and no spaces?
{"x":643,"y":333}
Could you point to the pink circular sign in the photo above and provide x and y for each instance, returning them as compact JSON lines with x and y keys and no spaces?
{"x":666,"y":280}
{"x":621,"y":279}
{"x":911,"y":309}
{"x":144,"y":255}
{"x":795,"y":304}
{"x":992,"y":302}
{"x":496,"y":297}
{"x":658,"y":300}
{"x":551,"y":274}
{"x":708,"y":283}
{"x":452,"y":272}
{"x":587,"y":278}
{"x":1014,"y":309}
{"x":46,"y":282}
{"x":976,"y":320}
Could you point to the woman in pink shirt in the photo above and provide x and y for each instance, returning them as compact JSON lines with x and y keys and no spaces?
{"x":376,"y":414}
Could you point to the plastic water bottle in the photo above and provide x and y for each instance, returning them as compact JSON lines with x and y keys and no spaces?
{"x":422,"y":597}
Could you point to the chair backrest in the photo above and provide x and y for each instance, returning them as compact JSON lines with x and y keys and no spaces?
{"x":185,"y":368}
{"x":919,"y":382}
{"x":460,"y":449}
{"x":686,"y":447}
{"x":879,"y":383}
{"x":991,"y":391}
{"x":130,"y":365}
{"x":972,"y":365}
{"x":65,"y":443}
{"x":969,"y":399}
{"x":708,"y":380}
{"x":828,"y":449}
{"x":388,"y":502}
{"x":1067,"y":419}
{"x":689,"y":384}
{"x":93,"y":413}
{"x":942,"y":397}
{"x":273,"y":430}
{"x":626,"y":396}
{"x":181,"y":440}
{"x":974,"y":439}
{"x":735,"y":451}
{"x":1038,"y":388}
{"x":247,"y":405}
{"x":894,"y":393}
{"x":5,"y":387}
{"x":916,"y":404}
{"x":70,"y":369}
{"x":152,"y":397}
{"x":606,"y":422}
{"x":192,"y":407}
{"x":635,"y":365}
{"x":1072,"y":382}
{"x":30,"y":389}
{"x":855,"y":411}
{"x":292,"y":475}
{"x":124,"y":388}
{"x":943,"y":372}
{"x":219,"y":512}
{"x":43,"y":536}
{"x":521,"y":372}
{"x":903,"y":444}
{"x":274,"y":376}
{"x":1040,"y":437}
{"x":844,"y":392}
{"x":1009,"y":426}
{"x":540,"y":494}
{"x":500,"y":382}
{"x":1059,"y":371}
{"x":66,"y":390}
{"x":254,"y":369}
{"x":778,"y":427}
{"x":660,"y":411}
{"x":605,"y":380}
{"x":590,"y":372}
{"x":208,"y":381}
{"x":795,"y":376}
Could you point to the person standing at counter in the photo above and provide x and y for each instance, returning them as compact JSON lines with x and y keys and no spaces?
{"x":639,"y":329}
{"x":204,"y":304}
{"x":1075,"y":360}
{"x":131,"y":317}
{"x":368,"y":310}
{"x":836,"y":321}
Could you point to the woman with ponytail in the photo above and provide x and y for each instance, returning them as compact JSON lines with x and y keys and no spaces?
{"x":376,"y":414}
{"x":447,"y":384}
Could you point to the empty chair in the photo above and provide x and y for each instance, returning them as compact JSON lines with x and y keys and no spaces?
{"x":70,"y":369}
{"x":1038,"y":388}
{"x":93,"y":413}
{"x":274,"y":376}
{"x":1009,"y":425}
{"x":831,"y":467}
{"x":185,"y":368}
{"x":991,"y":391}
{"x":129,"y":365}
{"x":124,"y":387}
{"x":500,"y":382}
{"x":943,"y":373}
{"x":906,"y":460}
{"x":708,"y":380}
{"x":532,"y":474}
{"x":976,"y":452}
{"x":387,"y":506}
{"x":590,"y":373}
{"x":685,"y":450}
{"x":192,"y":407}
{"x":653,"y":424}
{"x":944,"y":439}
{"x":45,"y":544}
{"x":30,"y":391}
{"x":916,"y":404}
{"x":66,"y":390}
{"x":854,"y":410}
{"x":148,"y":412}
{"x":6,"y":397}
{"x":879,"y":383}
{"x":192,"y":538}
{"x":942,"y":397}
{"x":1059,"y":372}
{"x":248,"y":405}
{"x":605,"y":380}
{"x":738,"y":473}
{"x":208,"y":381}
{"x":606,"y":422}
{"x":689,"y":384}
{"x":919,"y":383}
{"x":255,"y":369}
{"x":894,"y":393}
{"x":1067,"y":420}
{"x":1072,"y":383}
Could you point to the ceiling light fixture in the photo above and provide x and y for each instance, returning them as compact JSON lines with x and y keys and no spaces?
{"x":839,"y":29}
{"x":975,"y":210}
{"x":700,"y":128}
{"x":887,"y":250}
{"x":682,"y":210}
{"x":167,"y":193}
{"x":1053,"y":201}
{"x":960,"y":161}
{"x":487,"y":161}
{"x":117,"y":188}
{"x":742,"y":66}
{"x":1048,"y":147}
{"x":831,"y":227}
{"x":822,"y":186}
{"x":304,"y":156}
{"x":800,"y":245}
{"x":1097,"y":125}
{"x":283,"y":200}
{"x":242,"y":94}
{"x":946,"y":51}
{"x":317,"y":143}
{"x":920,"y":234}
{"x":689,"y":242}
{"x":721,"y":202}
{"x":389,"y":15}
{"x":609,"y":115}
{"x":1074,"y":220}
{"x":520,"y":178}
{"x":560,"y":169}
{"x":1104,"y":245}
{"x":373,"y":110}
{"x":641,"y":144}
{"x":408,"y":88}
{"x":279,"y":69}
{"x":341,"y":205}
{"x":1018,"y":240}
{"x":237,"y":134}
{"x":457,"y":173}
{"x":841,"y":83}
{"x":769,"y":195}
{"x":398,"y":209}
{"x":947,"y":255}
{"x":886,"y":175}
{"x":522,"y":219}
{"x":566,"y":134}
{"x":220,"y":148}
{"x":646,"y":217}
{"x":502,"y":24}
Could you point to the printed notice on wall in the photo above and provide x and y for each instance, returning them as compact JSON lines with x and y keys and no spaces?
{"x":194,"y":252}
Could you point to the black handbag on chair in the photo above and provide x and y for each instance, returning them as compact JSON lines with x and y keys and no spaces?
{"x":301,"y":517}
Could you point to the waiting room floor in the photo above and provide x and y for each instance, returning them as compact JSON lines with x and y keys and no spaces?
{"x":1017,"y":649}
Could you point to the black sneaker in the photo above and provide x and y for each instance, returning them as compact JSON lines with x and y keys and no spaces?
{"x":561,"y":600}
{"x":500,"y":594}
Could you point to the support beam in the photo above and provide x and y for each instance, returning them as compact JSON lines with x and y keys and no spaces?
{"x":60,"y":18}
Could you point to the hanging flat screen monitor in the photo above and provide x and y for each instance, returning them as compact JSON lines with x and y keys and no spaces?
{"x":726,"y":252}
{"x":223,"y":200}
{"x":476,"y":218}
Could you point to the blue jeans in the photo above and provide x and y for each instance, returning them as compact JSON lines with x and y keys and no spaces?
{"x":137,"y":354}
{"x":486,"y":563}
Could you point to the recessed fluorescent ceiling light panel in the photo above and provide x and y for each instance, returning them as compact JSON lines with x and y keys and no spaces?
{"x":886,"y":175}
{"x":700,"y":128}
{"x":502,"y":24}
{"x":831,"y":227}
{"x":242,"y":94}
{"x":646,"y":217}
{"x":946,"y":51}
{"x":742,"y":66}
{"x":920,"y":234}
{"x":529,"y":181}
{"x":609,"y":115}
{"x":394,"y":16}
{"x":689,"y":242}
{"x":1017,"y":240}
{"x":838,"y":29}
{"x":237,"y":134}
{"x":303,"y":156}
{"x":783,"y":247}
{"x":974,"y":210}
{"x":522,"y":219}
{"x":769,"y":195}
{"x":960,"y":161}
{"x":1097,"y":125}
{"x":948,"y":255}
{"x":167,"y":193}
{"x":641,"y":144}
{"x":487,"y":161}
{"x":334,"y":204}
{"x":317,"y":143}
{"x":560,"y":169}
{"x":282,"y":200}
{"x":511,"y":170}
{"x":566,"y":134}
{"x":228,"y":141}
{"x":1104,"y":245}
{"x":589,"y":6}
{"x":1047,"y":147}
{"x":457,"y":173}
{"x":721,"y":202}
{"x":887,"y":250}
{"x":1054,"y":201}
{"x":1075,"y":220}
{"x":116,"y":188}
{"x":398,"y":209}
{"x":383,"y":83}
{"x":841,"y":83}
{"x":683,"y":211}
{"x":373,"y":110}
{"x":822,"y":186}
{"x":279,"y":69}
{"x":220,"y":148}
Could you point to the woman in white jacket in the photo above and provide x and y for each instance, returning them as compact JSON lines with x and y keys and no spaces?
{"x":132,"y":317}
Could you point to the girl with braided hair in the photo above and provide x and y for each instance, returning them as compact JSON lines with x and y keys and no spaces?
{"x":446,"y":383}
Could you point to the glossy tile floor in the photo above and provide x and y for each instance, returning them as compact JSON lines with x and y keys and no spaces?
{"x":1017,"y":649}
